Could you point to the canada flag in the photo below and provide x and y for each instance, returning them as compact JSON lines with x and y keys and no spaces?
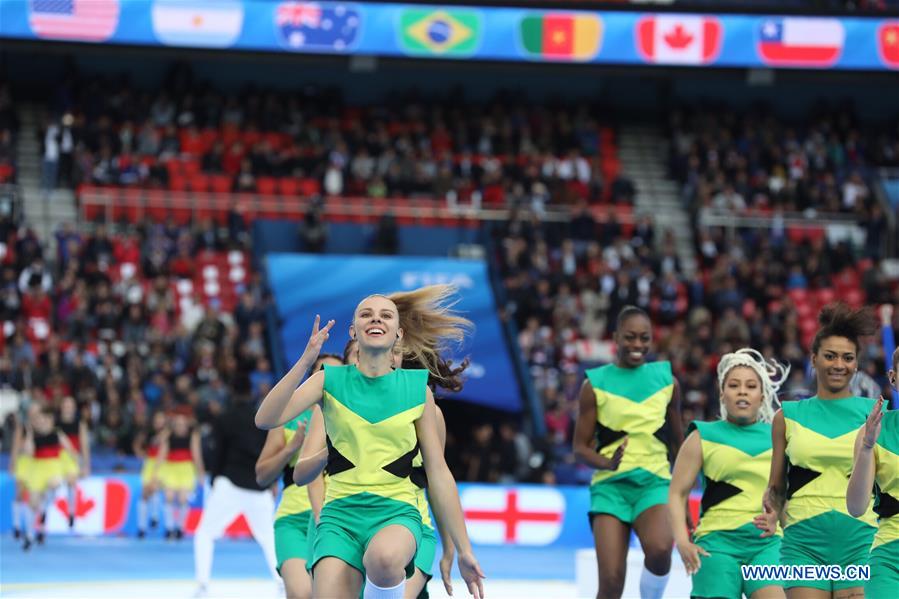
{"x":513,"y":515}
{"x":679,"y":39}
{"x":888,"y":43}
{"x":101,"y":507}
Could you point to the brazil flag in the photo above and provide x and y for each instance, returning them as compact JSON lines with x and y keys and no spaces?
{"x":440,"y":32}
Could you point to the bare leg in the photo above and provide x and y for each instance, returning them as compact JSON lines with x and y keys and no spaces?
{"x":807,"y":593}
{"x":770,"y":592}
{"x":388,"y":553}
{"x":297,"y":582}
{"x":611,"y":536}
{"x":333,"y":577}
{"x":415,"y":585}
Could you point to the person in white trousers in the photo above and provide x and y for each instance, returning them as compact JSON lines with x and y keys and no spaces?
{"x":234,"y":490}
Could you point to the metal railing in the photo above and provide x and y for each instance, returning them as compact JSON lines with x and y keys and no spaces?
{"x":138,"y":204}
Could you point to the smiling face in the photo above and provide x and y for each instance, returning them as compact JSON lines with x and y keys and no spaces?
{"x":634,"y":339}
{"x":835,"y":364}
{"x":742,"y":395}
{"x":158,"y":421}
{"x":376,"y":323}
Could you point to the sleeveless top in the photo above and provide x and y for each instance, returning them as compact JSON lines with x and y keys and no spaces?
{"x":736,"y":461}
{"x":294,"y":499}
{"x":820,"y":435}
{"x":886,"y":475}
{"x":370,"y":424}
{"x":179,"y":448}
{"x":633,"y":402}
{"x":47,"y":446}
{"x":72,"y":432}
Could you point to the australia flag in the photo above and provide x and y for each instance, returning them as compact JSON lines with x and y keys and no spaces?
{"x":317,"y":26}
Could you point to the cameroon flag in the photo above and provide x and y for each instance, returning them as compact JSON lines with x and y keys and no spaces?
{"x":562,"y":36}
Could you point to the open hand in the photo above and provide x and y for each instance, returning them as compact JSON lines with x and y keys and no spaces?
{"x":613,"y":462}
{"x":767,"y":520}
{"x":317,"y":339}
{"x":446,"y":568}
{"x":472,"y":574}
{"x":872,"y":424}
{"x":689,"y":553}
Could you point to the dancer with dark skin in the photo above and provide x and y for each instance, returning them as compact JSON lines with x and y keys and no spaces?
{"x":629,"y":429}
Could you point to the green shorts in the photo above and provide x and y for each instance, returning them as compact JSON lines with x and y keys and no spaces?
{"x":427,"y":549}
{"x":884,"y":562}
{"x":292,"y":537}
{"x":628,"y":495}
{"x":347,"y":526}
{"x":719,"y":573}
{"x":831,"y":538}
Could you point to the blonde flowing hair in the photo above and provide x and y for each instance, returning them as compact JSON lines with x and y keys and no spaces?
{"x":431,"y":327}
{"x":771,"y":373}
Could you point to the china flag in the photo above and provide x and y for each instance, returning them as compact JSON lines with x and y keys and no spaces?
{"x":888,"y":42}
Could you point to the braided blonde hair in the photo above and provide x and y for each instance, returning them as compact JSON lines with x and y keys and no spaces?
{"x":771,"y":373}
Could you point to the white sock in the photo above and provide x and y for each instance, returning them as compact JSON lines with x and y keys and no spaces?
{"x":652,"y":586}
{"x":28,"y":520}
{"x":155,"y":505}
{"x":141,"y":514}
{"x":169,"y":512}
{"x":17,"y":508}
{"x":373,"y":591}
{"x":70,"y":498}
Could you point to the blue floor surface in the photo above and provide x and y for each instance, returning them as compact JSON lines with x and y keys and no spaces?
{"x":73,"y":559}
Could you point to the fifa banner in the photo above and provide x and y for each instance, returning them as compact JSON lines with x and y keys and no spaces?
{"x":494,"y":514}
{"x":465,"y":32}
{"x":333,"y":285}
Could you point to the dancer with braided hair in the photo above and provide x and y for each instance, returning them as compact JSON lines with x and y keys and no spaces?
{"x":733,"y":455}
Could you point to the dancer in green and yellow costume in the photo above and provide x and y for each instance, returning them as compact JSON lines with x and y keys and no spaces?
{"x":812,"y":442}
{"x":733,"y":455}
{"x":377,"y":419}
{"x":294,"y":517}
{"x":877,"y":461}
{"x":629,"y":428}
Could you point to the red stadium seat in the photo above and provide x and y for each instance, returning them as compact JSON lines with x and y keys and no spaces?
{"x":267,"y":185}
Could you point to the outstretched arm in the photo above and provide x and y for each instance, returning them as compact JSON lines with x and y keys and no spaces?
{"x":444,"y":496}
{"x":286,"y":400}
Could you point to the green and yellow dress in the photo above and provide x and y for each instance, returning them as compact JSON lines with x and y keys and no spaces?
{"x":293,"y":517}
{"x":820,"y":437}
{"x":736,"y":461}
{"x":370,"y":425}
{"x":884,"y":561}
{"x":631,"y":402}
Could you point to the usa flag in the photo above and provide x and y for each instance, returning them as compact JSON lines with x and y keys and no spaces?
{"x":328,"y":26}
{"x":74,"y":20}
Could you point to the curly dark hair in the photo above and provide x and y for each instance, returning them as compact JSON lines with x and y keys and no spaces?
{"x":839,"y":320}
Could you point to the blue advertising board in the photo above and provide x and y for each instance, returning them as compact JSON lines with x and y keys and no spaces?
{"x":524,"y":515}
{"x":332,"y":286}
{"x":466,"y":32}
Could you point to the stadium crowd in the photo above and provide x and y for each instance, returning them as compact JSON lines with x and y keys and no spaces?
{"x":127,"y":341}
{"x":192,"y":137}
